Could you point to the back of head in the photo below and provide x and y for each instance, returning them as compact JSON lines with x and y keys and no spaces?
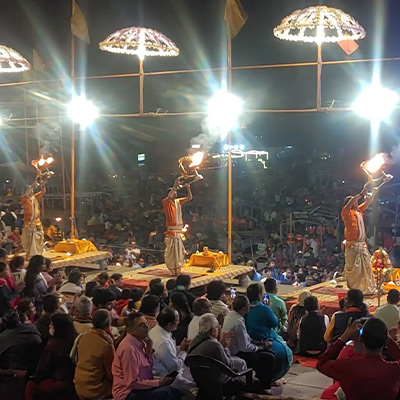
{"x":157,"y":289}
{"x":47,"y":262}
{"x":102,"y":296}
{"x":116,"y":276}
{"x":136,"y":294}
{"x":182,"y":282}
{"x":149,"y":305}
{"x":90,"y":287}
{"x":3,"y":253}
{"x":375,"y":334}
{"x":103,"y":276}
{"x":171,"y":284}
{"x":311,"y":303}
{"x":51,"y":303}
{"x":11,"y":319}
{"x":240,"y":302}
{"x":180,"y":302}
{"x":154,"y":281}
{"x":207,"y":322}
{"x":199,"y":305}
{"x":126,"y":294}
{"x":166,"y":316}
{"x":101,"y":319}
{"x":355,"y":298}
{"x":63,"y":326}
{"x":84,"y":306}
{"x":23,"y":305}
{"x":215,"y":289}
{"x":75,"y":276}
{"x":270,"y":285}
{"x":16,"y":263}
{"x":253,"y":292}
{"x":302,"y":297}
{"x":393,"y":296}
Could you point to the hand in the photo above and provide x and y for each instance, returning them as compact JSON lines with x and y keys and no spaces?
{"x":266,"y":345}
{"x":226,"y":338}
{"x":149,"y":347}
{"x":185,"y":345}
{"x":166,"y":381}
{"x":19,"y":286}
{"x":352,"y":331}
{"x":364,"y":191}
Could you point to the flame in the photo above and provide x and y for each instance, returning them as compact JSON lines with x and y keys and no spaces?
{"x":49,"y":160}
{"x":185,"y":228}
{"x":375,"y":164}
{"x":42,"y":162}
{"x":197,"y":159}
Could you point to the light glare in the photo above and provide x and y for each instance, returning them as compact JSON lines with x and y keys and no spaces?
{"x":375,"y":164}
{"x":82,"y":111}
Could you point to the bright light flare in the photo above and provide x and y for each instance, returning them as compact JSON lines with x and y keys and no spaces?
{"x":58,"y":219}
{"x":42,"y":162}
{"x":197,"y":159}
{"x":82,"y":111}
{"x":185,"y":228}
{"x":49,"y":160}
{"x":224,"y":110}
{"x":375,"y":164}
{"x":376,"y":103}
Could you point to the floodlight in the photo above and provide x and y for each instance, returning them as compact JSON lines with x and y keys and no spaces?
{"x":82,"y":111}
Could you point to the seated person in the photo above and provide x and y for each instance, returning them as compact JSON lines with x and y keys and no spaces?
{"x":103,"y":279}
{"x":200,"y":307}
{"x":261,"y":325}
{"x":355,"y":309}
{"x":257,"y":355}
{"x":389,"y":313}
{"x":83,"y":315}
{"x":95,"y":351}
{"x":135,"y":301}
{"x":180,"y":303}
{"x":117,"y":284}
{"x":376,"y":377}
{"x":51,"y":303}
{"x":276,"y":304}
{"x":183,"y":285}
{"x":216,"y":295}
{"x":312,"y":329}
{"x":133,"y":363}
{"x":150,"y":308}
{"x":206,"y":344}
{"x":158,"y":289}
{"x":288,"y":277}
{"x":123,"y":300}
{"x":74,"y":284}
{"x":296,"y":312}
{"x":26,"y":307}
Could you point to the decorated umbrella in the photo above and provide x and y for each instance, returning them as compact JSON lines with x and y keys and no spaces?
{"x":319,"y":24}
{"x":12,"y":61}
{"x":141,"y":42}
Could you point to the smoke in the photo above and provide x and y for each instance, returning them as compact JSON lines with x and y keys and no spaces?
{"x":49,"y":136}
{"x":395,"y":155}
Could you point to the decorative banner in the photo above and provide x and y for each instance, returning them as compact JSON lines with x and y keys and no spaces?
{"x":235,"y":17}
{"x":78,"y":23}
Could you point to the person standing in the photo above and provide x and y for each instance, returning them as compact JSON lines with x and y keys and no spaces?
{"x":358,"y":271}
{"x":174,"y":249}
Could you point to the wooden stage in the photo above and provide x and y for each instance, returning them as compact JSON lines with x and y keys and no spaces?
{"x":62,"y":260}
{"x":199,"y":275}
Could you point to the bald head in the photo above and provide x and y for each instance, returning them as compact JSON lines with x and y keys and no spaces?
{"x":201,"y":306}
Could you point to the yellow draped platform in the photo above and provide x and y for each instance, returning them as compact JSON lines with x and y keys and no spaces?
{"x":75,"y":246}
{"x":211,"y":260}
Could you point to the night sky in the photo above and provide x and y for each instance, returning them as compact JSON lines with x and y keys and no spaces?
{"x":198,"y":29}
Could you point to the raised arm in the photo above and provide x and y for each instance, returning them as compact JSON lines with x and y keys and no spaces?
{"x":355,"y":198}
{"x":189,"y":196}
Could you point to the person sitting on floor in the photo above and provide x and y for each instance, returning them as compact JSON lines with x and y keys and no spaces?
{"x":389,"y":313}
{"x":261,"y":324}
{"x":296,"y":312}
{"x":200,"y":307}
{"x":355,"y":309}
{"x":183,"y":285}
{"x":117,"y":284}
{"x":257,"y":355}
{"x":95,"y":353}
{"x":51,"y":303}
{"x":133,"y":363}
{"x":150,"y":308}
{"x":216,"y":295}
{"x":276,"y":304}
{"x":312,"y":329}
{"x":369,"y":376}
{"x":83,"y":316}
{"x":123,"y":301}
{"x":158,"y":289}
{"x":206,"y":344}
{"x":25,"y":306}
{"x":180,"y":303}
{"x":74,"y":284}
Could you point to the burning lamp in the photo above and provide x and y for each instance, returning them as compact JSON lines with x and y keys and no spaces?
{"x":42,"y":168}
{"x":374,"y":170}
{"x":194,"y":161}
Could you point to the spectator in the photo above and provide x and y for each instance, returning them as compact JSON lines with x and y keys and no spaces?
{"x":288,"y":278}
{"x":170,"y":286}
{"x":150,"y":308}
{"x":273,"y":270}
{"x":133,"y":364}
{"x":167,"y":358}
{"x":74,"y":284}
{"x":180,"y":303}
{"x":216,"y":295}
{"x":277,"y":305}
{"x":377,"y":378}
{"x":312,"y":329}
{"x":389,"y":313}
{"x":206,"y":344}
{"x":55,"y":371}
{"x":200,"y":306}
{"x":158,"y":289}
{"x":123,"y":301}
{"x":35,"y":284}
{"x":183,"y":285}
{"x":141,"y":263}
{"x":93,"y":377}
{"x":8,"y":289}
{"x":117,"y":284}
{"x":103,"y":279}
{"x":254,"y":275}
{"x":296,"y":312}
{"x":48,"y":270}
{"x":256,"y":356}
{"x":103,"y":298}
{"x":15,"y":237}
{"x":355,"y":309}
{"x":20,"y":344}
{"x":51,"y":303}
{"x":26,"y":307}
{"x":83,"y":317}
{"x":261,"y":324}
{"x":90,"y":288}
{"x":17,"y":266}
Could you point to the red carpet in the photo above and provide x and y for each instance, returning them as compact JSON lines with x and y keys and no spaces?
{"x":305,"y":361}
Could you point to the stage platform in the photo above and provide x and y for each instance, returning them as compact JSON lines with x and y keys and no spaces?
{"x":62,"y":260}
{"x":199,"y":275}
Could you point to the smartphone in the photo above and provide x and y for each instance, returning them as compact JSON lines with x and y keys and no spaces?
{"x":266,"y":299}
{"x":173,"y":374}
{"x":233,"y":293}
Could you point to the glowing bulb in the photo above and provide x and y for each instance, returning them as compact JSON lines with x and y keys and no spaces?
{"x":82,"y":111}
{"x":58,"y":219}
{"x":197,"y":159}
{"x":376,"y":103}
{"x":49,"y":160}
{"x":224,"y":110}
{"x":41,"y":162}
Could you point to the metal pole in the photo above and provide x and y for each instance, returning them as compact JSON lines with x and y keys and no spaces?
{"x":141,"y":82}
{"x":230,"y":157}
{"x":72,"y":136}
{"x":319,"y":73}
{"x":62,"y":157}
{"x":26,"y":131}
